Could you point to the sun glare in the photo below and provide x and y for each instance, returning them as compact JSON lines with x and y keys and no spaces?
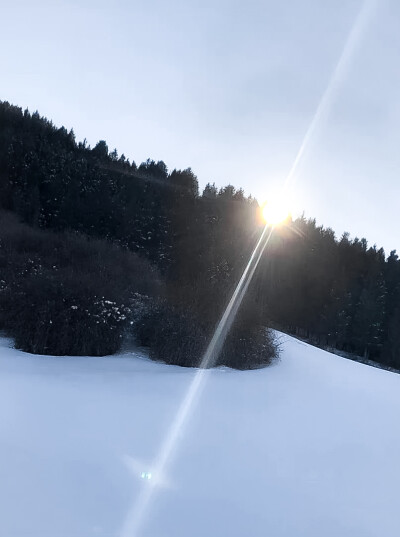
{"x":276,"y":210}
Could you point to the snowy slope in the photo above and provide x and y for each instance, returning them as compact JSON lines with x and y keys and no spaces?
{"x":308,"y":447}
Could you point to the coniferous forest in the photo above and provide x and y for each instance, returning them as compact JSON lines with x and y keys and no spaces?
{"x":95,"y":250}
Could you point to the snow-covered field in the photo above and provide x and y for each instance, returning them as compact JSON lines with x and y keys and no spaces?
{"x":309,"y":447}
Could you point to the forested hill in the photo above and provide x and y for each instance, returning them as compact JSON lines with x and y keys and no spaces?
{"x":70,"y":199}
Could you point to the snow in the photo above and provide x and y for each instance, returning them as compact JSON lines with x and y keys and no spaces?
{"x":307,"y":447}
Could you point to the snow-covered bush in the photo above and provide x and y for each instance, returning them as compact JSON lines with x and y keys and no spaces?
{"x":249,"y":348}
{"x":65,"y":294}
{"x":171,"y":335}
{"x":177,"y":337}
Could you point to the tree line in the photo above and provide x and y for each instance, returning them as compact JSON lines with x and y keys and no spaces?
{"x":337,"y":292}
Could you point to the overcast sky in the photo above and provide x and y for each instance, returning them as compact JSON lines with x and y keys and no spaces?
{"x":228,"y":88}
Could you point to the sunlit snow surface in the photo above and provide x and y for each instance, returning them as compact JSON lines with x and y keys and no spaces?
{"x":307,"y":447}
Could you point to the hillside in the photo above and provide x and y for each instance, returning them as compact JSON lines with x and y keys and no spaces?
{"x":306,"y":447}
{"x":335,"y":291}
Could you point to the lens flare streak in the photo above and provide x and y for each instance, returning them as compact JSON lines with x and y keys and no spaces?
{"x":135,"y":518}
{"x":363,"y":18}
{"x":137,"y":514}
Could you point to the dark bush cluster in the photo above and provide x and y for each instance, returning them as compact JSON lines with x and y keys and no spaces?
{"x":176,"y":336}
{"x":249,"y":348}
{"x":171,"y":335}
{"x":65,"y":294}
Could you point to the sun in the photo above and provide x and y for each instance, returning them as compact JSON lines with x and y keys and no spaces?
{"x":276,"y":210}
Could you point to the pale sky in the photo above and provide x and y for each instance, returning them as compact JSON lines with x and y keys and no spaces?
{"x":228,"y":88}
